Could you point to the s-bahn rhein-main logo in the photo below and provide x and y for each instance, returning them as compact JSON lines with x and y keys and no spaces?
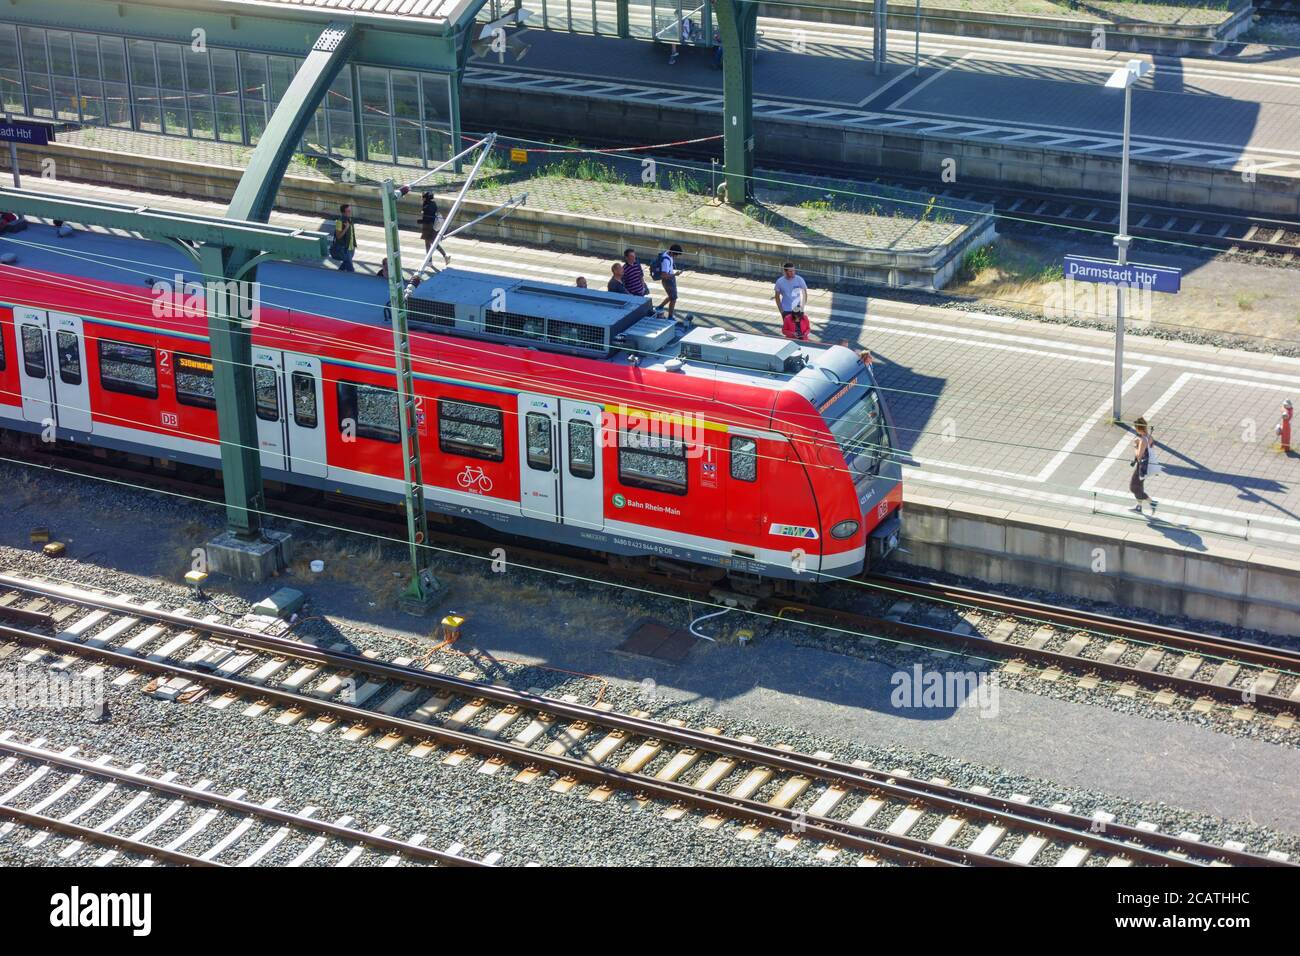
{"x":75,"y":909}
{"x":182,"y":298}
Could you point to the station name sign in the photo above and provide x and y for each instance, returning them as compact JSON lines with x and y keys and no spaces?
{"x":29,"y":134}
{"x":1156,"y":278}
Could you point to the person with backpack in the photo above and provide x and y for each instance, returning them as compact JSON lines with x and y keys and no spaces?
{"x":1144,"y":465}
{"x":633,"y":277}
{"x":344,"y":246}
{"x":428,"y":219}
{"x":664,"y":270}
{"x":791,"y":301}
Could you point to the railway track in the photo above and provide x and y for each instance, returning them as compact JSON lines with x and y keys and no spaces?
{"x":845,"y":807}
{"x":91,"y":812}
{"x":1206,"y":670}
{"x":1101,"y":653}
{"x":1278,"y":8}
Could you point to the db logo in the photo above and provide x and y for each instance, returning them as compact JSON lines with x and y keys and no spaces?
{"x":170,"y":419}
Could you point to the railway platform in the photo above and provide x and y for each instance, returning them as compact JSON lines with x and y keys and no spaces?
{"x":1008,"y":112}
{"x":1198,"y":111}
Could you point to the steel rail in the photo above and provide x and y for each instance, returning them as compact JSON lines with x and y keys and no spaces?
{"x":932,"y":636}
{"x":1061,"y":825}
{"x":236,"y":805}
{"x":908,"y":849}
{"x":125,"y":844}
{"x":1281,"y":658}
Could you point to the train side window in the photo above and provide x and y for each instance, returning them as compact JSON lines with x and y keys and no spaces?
{"x":194,"y":385}
{"x":472,"y":430}
{"x":582,"y":449}
{"x":370,"y":411}
{"x":649,"y":461}
{"x":744,"y":458}
{"x":68,"y":345}
{"x":34,"y":351}
{"x":304,"y":399}
{"x":127,"y":368}
{"x":537,"y":433}
{"x":2,"y":347}
{"x":266,"y":391}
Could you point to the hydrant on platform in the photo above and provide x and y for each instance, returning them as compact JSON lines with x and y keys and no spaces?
{"x":1284,"y":428}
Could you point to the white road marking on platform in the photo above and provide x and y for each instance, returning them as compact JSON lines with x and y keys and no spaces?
{"x":902,"y":76}
{"x":1068,"y":448}
{"x":927,"y":81}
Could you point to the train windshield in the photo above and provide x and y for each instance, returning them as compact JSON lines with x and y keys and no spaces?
{"x":864,"y":439}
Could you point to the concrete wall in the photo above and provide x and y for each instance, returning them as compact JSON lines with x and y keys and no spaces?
{"x":1172,"y":39}
{"x":1227,"y":583}
{"x":599,"y":232}
{"x":870,"y":152}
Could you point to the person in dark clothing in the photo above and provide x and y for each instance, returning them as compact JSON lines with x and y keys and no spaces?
{"x":633,"y":276}
{"x":616,"y":279}
{"x":428,"y":220}
{"x":345,"y":239}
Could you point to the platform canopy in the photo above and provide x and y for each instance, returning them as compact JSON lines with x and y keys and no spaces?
{"x":420,"y":34}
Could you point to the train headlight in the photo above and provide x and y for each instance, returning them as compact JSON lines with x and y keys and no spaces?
{"x":845,"y":529}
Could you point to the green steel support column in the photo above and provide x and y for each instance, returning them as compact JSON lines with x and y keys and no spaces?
{"x":624,"y":20}
{"x":230,"y":274}
{"x":358,"y":120}
{"x":255,"y":195}
{"x":423,"y":588}
{"x":453,"y":87}
{"x":232,"y":378}
{"x":738,"y":26}
{"x":464,"y":47}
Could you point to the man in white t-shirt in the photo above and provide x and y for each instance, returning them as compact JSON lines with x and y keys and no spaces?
{"x":791,"y":301}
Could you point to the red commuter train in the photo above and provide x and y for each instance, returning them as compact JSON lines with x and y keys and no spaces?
{"x":557,"y":413}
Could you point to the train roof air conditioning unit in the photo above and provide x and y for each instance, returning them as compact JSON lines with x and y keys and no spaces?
{"x":539,"y":315}
{"x":740,"y":350}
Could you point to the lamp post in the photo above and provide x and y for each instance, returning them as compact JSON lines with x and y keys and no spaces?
{"x":1125,"y":78}
{"x":13,"y":158}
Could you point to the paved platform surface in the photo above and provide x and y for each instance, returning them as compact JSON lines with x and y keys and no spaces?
{"x":1197,"y":111}
{"x":1006,"y":413}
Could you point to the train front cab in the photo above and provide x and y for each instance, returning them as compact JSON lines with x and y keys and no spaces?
{"x":859,"y":421}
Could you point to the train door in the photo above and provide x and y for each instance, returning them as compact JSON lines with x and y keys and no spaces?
{"x":68,"y":373}
{"x":741,"y":465}
{"x":306,"y":450}
{"x":581,"y":480}
{"x":30,"y":326}
{"x":269,"y":403}
{"x":539,"y":467}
